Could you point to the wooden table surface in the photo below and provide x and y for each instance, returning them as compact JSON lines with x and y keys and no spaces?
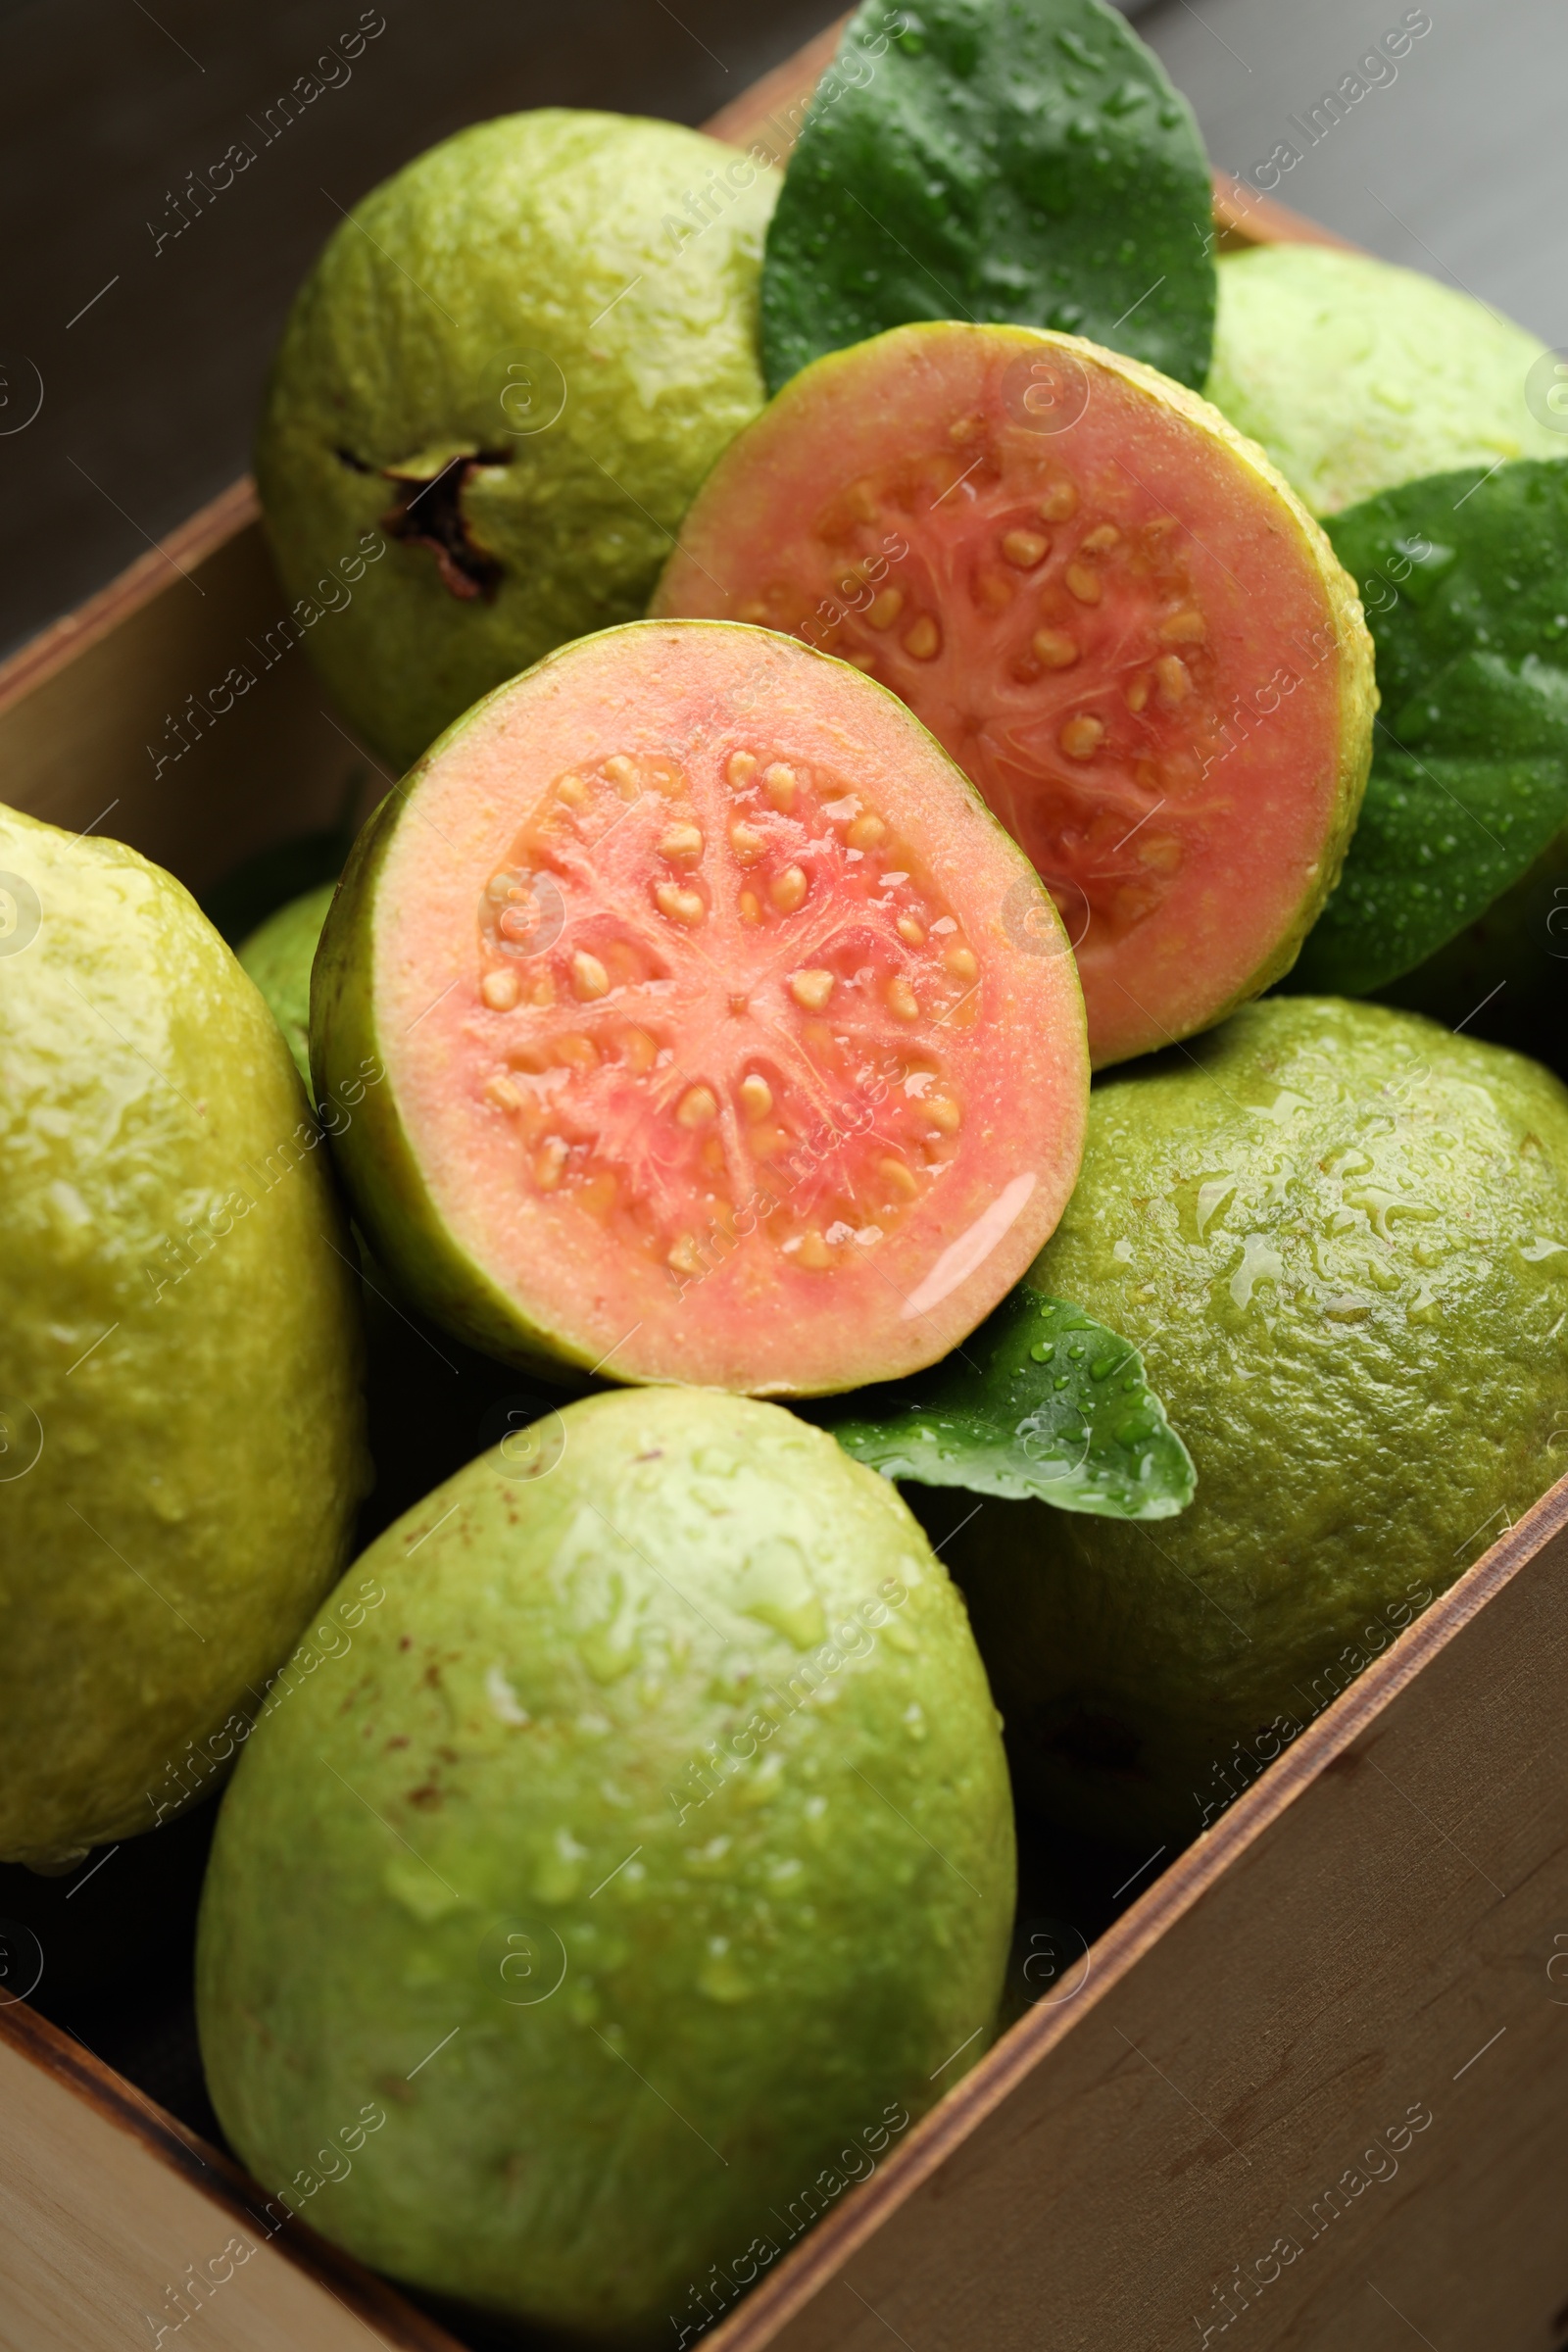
{"x":149,"y":358}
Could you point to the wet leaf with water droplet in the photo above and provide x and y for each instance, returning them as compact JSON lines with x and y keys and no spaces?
{"x":1463,"y":577}
{"x":993,"y":1417}
{"x":967,"y":168}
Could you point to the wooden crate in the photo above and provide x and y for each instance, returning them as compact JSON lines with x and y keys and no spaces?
{"x":1306,"y":2087}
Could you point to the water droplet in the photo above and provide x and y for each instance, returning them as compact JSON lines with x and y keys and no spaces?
{"x":775,"y":1588}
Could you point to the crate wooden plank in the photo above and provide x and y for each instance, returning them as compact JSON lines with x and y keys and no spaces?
{"x":179,"y":711}
{"x":108,"y":2208}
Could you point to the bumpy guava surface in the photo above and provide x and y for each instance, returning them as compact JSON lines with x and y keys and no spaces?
{"x":278,"y":955}
{"x":179,"y":1350}
{"x":633,"y":1878}
{"x":1338,"y":1234}
{"x":1356,"y":376}
{"x":496,"y":394}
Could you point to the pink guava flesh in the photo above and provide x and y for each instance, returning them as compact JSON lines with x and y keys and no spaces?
{"x":1104,"y":604}
{"x":726,"y":1037}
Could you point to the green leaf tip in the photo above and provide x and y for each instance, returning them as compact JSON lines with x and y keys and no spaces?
{"x":1043,"y":1405}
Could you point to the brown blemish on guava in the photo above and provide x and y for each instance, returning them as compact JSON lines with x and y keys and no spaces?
{"x":429,"y":513}
{"x":425,"y":1797}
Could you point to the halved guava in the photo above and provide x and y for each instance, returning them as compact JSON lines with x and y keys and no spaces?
{"x":721,"y":1035}
{"x":1106,"y":605}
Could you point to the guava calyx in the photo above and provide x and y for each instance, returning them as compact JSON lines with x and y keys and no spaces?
{"x":428,"y":511}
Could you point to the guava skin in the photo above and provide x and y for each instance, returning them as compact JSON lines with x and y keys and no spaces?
{"x":736,"y":1945}
{"x":180,"y":1349}
{"x":1356,"y":375}
{"x":278,"y":955}
{"x":612,"y":264}
{"x":1338,"y":1234}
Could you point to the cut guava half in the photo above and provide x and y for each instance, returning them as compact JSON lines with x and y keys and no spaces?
{"x":1465,"y":578}
{"x":718,"y":1033}
{"x":1106,"y":605}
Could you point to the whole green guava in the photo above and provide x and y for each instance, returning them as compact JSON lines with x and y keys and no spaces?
{"x":1339,"y":1236}
{"x":496,"y":395}
{"x":1356,"y":376}
{"x":182,"y":1447}
{"x":278,"y":955}
{"x":645,"y":1866}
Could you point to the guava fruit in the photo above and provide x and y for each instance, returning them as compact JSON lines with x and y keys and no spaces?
{"x":278,"y":955}
{"x":1106,"y":604}
{"x":497,"y":391}
{"x":651,"y":1852}
{"x":726,"y":1037}
{"x":1339,"y":1236}
{"x":987,"y":160}
{"x":1356,"y":376}
{"x":180,"y":1422}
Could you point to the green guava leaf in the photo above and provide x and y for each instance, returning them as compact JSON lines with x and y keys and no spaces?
{"x":1041,"y":1402}
{"x":1021,"y":161}
{"x":1464,"y":577}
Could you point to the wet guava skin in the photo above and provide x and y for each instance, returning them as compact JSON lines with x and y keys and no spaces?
{"x":612,"y":265}
{"x":178,"y":1328}
{"x":1356,"y":376}
{"x":739,"y":1946}
{"x":1338,"y":1234}
{"x":277,"y":955}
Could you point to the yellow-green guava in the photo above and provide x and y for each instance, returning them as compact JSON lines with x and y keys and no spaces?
{"x":644,"y":1869}
{"x":496,"y":394}
{"x":180,"y":1421}
{"x":1338,"y":1237}
{"x":278,"y":955}
{"x":1356,"y":376}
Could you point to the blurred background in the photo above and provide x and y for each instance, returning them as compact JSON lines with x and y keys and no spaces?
{"x":131,"y":358}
